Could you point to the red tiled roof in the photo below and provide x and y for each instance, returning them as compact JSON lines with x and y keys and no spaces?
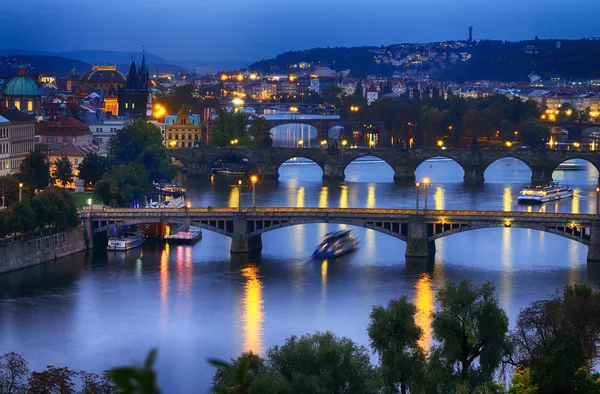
{"x":64,"y":126}
{"x":69,"y":150}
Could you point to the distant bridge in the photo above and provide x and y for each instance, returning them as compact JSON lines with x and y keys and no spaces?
{"x":418,"y":229}
{"x":404,"y":162}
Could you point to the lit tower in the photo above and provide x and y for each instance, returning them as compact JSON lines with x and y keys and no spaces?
{"x":470,"y":33}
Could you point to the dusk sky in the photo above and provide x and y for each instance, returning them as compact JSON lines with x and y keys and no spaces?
{"x":251,"y":30}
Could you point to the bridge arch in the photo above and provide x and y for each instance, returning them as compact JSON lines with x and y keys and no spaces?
{"x":578,"y":234}
{"x":295,"y":134}
{"x":223,"y":227}
{"x":517,"y":169}
{"x":427,"y":168}
{"x":371,"y":158}
{"x":307,"y":160}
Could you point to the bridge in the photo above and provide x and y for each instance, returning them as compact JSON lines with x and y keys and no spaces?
{"x":404,"y":162}
{"x":418,"y":229}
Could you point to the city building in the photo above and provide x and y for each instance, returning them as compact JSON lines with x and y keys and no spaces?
{"x":4,"y":146}
{"x":62,"y":129}
{"x":22,"y":93}
{"x":21,"y":137}
{"x":315,"y":85}
{"x":135,"y":100}
{"x":103,"y":126}
{"x":110,"y":103}
{"x":101,"y":78}
{"x":183,"y":130}
{"x":470,"y":33}
{"x":372,"y":94}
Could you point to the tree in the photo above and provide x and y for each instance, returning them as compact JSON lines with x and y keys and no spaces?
{"x":128,"y":144}
{"x":52,"y":380}
{"x":471,"y":329}
{"x":323,"y":363}
{"x":22,"y":219}
{"x":97,"y":384}
{"x":394,"y":336}
{"x":63,"y":171}
{"x":521,"y":382}
{"x":93,"y":167}
{"x":387,"y":88}
{"x":230,"y":126}
{"x":35,"y":171}
{"x":13,"y":374}
{"x":259,"y":133}
{"x":63,"y":210}
{"x":332,"y":94}
{"x":123,"y":185}
{"x":238,"y":375}
{"x":44,"y":212}
{"x":534,"y":133}
{"x":9,"y":188}
{"x":137,"y":379}
{"x":358,"y":92}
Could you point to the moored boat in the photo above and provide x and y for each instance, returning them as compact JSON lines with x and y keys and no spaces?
{"x":544,"y":193}
{"x":127,"y":240}
{"x":192,"y":235}
{"x":336,"y":244}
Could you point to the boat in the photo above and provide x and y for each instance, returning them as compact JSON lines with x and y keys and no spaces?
{"x":127,"y":240}
{"x":192,"y":235}
{"x":168,"y":188}
{"x":178,"y":202}
{"x":336,"y":244}
{"x":540,"y":194}
{"x":570,"y":165}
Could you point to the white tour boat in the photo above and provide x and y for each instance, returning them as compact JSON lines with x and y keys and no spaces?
{"x":544,"y":193}
{"x":336,"y":244}
{"x":127,"y":240}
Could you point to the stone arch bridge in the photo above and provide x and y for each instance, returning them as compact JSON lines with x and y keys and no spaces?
{"x":404,"y":162}
{"x":418,"y":229}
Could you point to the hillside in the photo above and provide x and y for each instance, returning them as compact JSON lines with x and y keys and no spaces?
{"x":55,"y":65}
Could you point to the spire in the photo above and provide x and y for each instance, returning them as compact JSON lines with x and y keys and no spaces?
{"x":143,"y":71}
{"x":132,"y":77}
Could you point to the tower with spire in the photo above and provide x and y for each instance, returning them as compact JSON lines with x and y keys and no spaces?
{"x":470,"y":33}
{"x":134,"y":98}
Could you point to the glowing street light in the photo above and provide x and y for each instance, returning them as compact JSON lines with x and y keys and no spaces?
{"x":20,"y":191}
{"x":238,"y":102}
{"x":417,"y":206}
{"x":301,"y":142}
{"x":508,"y":144}
{"x":253,"y":182}
{"x":597,"y":201}
{"x":440,"y":143}
{"x":323,"y":142}
{"x":344,"y":142}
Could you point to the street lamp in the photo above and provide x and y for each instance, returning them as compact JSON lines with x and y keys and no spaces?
{"x":597,"y":201}
{"x":508,"y":144}
{"x":239,"y":186}
{"x":417,"y":206}
{"x":344,"y":142}
{"x":301,"y":143}
{"x":440,"y":143}
{"x":426,"y":183}
{"x":253,"y":181}
{"x":20,"y":191}
{"x":323,"y":142}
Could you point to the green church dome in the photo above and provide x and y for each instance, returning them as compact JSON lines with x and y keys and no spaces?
{"x":22,"y":85}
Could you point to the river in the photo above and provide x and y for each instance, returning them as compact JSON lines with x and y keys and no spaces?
{"x":95,"y":310}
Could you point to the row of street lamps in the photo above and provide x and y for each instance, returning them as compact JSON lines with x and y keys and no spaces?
{"x":425,"y":186}
{"x":240,"y":184}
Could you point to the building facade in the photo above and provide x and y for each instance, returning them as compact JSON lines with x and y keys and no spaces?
{"x":135,"y":100}
{"x":21,"y":129}
{"x":101,"y":78}
{"x":22,"y":93}
{"x":183,"y":130}
{"x":62,"y":129}
{"x":103,"y":126}
{"x":4,"y":146}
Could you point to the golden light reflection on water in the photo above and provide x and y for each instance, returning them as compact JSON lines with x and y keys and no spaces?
{"x":188,"y":274}
{"x":324,"y":266}
{"x":234,"y":197}
{"x":323,"y":197}
{"x":424,"y":303}
{"x":574,"y":273}
{"x":253,"y":315}
{"x":164,"y":282}
{"x":576,"y":200}
{"x":507,"y":199}
{"x":507,"y":270}
{"x":179,"y":266}
{"x":300,"y":198}
{"x":344,"y":196}
{"x":371,"y":195}
{"x":438,"y":198}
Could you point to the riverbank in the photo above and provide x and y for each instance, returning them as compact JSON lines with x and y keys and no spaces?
{"x":26,"y":253}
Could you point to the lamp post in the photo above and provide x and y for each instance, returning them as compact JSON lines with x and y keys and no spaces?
{"x":253,"y":181}
{"x":20,"y":191}
{"x":426,"y":183}
{"x":239,"y":186}
{"x":417,"y":206}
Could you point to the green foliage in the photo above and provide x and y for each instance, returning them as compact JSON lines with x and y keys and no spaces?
{"x":137,"y":379}
{"x":229,"y":126}
{"x":9,"y":188}
{"x":123,"y":185}
{"x":332,"y":94}
{"x":35,"y":171}
{"x":62,"y":210}
{"x":394,"y":336}
{"x":63,"y":171}
{"x":239,"y":375}
{"x":534,"y":133}
{"x":521,"y":382}
{"x":93,"y":167}
{"x":258,"y":132}
{"x":22,"y":219}
{"x":472,"y":331}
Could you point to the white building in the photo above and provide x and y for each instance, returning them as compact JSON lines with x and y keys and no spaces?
{"x":4,"y":146}
{"x":103,"y":126}
{"x":315,"y":85}
{"x":372,"y":95}
{"x":21,"y":131}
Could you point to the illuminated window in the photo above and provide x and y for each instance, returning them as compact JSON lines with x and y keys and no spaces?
{"x":18,"y":105}
{"x":132,"y":105}
{"x":126,"y":105}
{"x":30,"y":106}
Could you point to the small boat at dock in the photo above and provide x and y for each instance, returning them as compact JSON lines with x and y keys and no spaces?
{"x":189,"y":236}
{"x":127,"y":240}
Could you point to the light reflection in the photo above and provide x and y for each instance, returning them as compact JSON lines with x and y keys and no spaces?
{"x":507,"y":270}
{"x":370,"y":243}
{"x":344,"y":196}
{"x":324,"y":266}
{"x":164,"y":281}
{"x":576,"y":200}
{"x":138,"y":267}
{"x":179,"y":267}
{"x":234,"y":197}
{"x":300,"y":198}
{"x":188,"y":272}
{"x":438,"y":198}
{"x":424,"y":303}
{"x":371,"y":195}
{"x":323,"y":197}
{"x":507,"y":199}
{"x":253,"y":309}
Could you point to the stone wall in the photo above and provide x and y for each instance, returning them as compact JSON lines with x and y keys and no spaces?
{"x":22,"y":254}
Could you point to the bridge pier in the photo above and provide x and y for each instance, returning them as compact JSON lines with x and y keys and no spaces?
{"x":594,"y":243}
{"x":404,"y":174}
{"x":240,"y":241}
{"x":268,"y":171}
{"x":333,"y":172}
{"x":474,"y":175}
{"x":417,"y":244}
{"x":541,"y":175}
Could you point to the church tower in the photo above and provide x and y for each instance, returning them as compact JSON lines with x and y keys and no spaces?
{"x":135,"y":95}
{"x":111,"y":103}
